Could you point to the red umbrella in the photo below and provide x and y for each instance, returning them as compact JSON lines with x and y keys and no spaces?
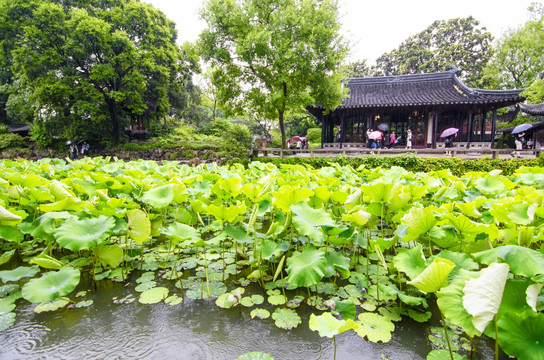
{"x":297,"y":138}
{"x":374,"y":135}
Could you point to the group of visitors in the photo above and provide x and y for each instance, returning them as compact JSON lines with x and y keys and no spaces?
{"x":297,"y":144}
{"x":74,"y":150}
{"x":385,"y":139}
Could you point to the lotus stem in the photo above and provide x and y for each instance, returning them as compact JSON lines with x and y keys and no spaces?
{"x":447,"y":336}
{"x":206,"y":271}
{"x":334,"y":340}
{"x":496,"y":338}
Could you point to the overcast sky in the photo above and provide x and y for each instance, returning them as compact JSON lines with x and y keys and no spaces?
{"x":378,"y":26}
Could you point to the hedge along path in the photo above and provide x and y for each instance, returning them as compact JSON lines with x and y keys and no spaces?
{"x":370,"y":245}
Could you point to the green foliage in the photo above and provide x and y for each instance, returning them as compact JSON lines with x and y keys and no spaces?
{"x":460,"y":42}
{"x":314,"y":136}
{"x":9,"y":140}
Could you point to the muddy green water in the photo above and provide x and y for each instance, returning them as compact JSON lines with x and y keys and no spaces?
{"x":191,"y":330}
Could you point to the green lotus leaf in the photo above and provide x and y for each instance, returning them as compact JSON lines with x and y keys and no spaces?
{"x":200,"y":290}
{"x":410,"y":261}
{"x":419,"y":221}
{"x":6,"y":320}
{"x":6,"y":305}
{"x":255,"y":355}
{"x":346,"y":308}
{"x":521,"y":334}
{"x":60,"y":190}
{"x":483,"y":295}
{"x":434,"y":276}
{"x":374,"y":327}
{"x":226,"y":213}
{"x":11,"y":233}
{"x":239,"y":234}
{"x":146,"y":285}
{"x":522,"y":261}
{"x":338,"y":263}
{"x":358,"y":218}
{"x":444,"y":354}
{"x":306,"y":267}
{"x":416,"y":315}
{"x":6,"y":256}
{"x":260,"y":314}
{"x":51,"y":285}
{"x":19,"y":273}
{"x":276,"y":298}
{"x":159,"y":197}
{"x":392,"y":313}
{"x":109,"y":255}
{"x":249,"y":301}
{"x":286,"y":319}
{"x":154,"y":295}
{"x":51,"y":305}
{"x":288,"y":195}
{"x":173,"y":300}
{"x":67,"y":204}
{"x":268,"y":249}
{"x":230,"y":299}
{"x":306,"y":221}
{"x":463,"y":224}
{"x":8,"y":216}
{"x":450,"y":302}
{"x":84,"y":234}
{"x":327,"y":325}
{"x":470,"y":209}
{"x":139,"y":226}
{"x":490,"y":186}
{"x":522,"y":214}
{"x":8,"y":289}
{"x":185,"y":233}
{"x":461,"y":260}
{"x":85,"y":303}
{"x":47,"y":262}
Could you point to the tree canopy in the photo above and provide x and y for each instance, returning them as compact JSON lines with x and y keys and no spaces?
{"x":272,"y":56}
{"x":86,"y":68}
{"x":460,"y":42}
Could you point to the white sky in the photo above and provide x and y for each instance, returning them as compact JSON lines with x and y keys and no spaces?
{"x":374,"y":27}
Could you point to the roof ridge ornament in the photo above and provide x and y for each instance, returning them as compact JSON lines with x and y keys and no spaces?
{"x":452,"y":68}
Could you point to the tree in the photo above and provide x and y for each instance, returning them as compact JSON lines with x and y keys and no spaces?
{"x":272,"y":56}
{"x":519,"y":55}
{"x":90,"y":67}
{"x":357,"y":69}
{"x":459,"y":42}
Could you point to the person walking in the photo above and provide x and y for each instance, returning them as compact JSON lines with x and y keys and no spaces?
{"x":519,"y":141}
{"x":368,"y":139}
{"x":85,"y":148}
{"x":409,"y":139}
{"x":392,"y":139}
{"x":73,"y":150}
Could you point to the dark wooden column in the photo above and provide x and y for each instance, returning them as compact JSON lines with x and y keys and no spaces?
{"x":435,"y":128}
{"x":322,"y":130}
{"x":342,"y":130}
{"x":493,"y":127}
{"x":482,"y":125}
{"x":469,"y":128}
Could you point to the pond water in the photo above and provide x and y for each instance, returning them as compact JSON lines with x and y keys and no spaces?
{"x":191,"y":330}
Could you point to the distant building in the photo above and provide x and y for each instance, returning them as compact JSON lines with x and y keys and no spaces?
{"x":425,"y":103}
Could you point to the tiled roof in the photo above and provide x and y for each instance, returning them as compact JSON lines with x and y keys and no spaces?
{"x":532,"y":109}
{"x":440,"y":88}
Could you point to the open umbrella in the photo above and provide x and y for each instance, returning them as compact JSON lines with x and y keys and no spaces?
{"x":374,"y":135}
{"x":448,"y":132}
{"x":80,"y":141}
{"x":296,"y":138}
{"x":521,"y":128}
{"x":383,"y":127}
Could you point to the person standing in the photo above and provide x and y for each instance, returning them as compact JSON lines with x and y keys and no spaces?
{"x":379,"y":140}
{"x":73,"y":150}
{"x":392,"y":139}
{"x":85,"y":148}
{"x":409,"y":139}
{"x":368,"y":139}
{"x":519,"y":145}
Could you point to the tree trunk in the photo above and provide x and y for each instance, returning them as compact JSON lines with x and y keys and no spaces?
{"x":114,"y":120}
{"x":282,"y":129}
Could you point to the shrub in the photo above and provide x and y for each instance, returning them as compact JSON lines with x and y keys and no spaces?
{"x":314,"y":135}
{"x":9,"y":140}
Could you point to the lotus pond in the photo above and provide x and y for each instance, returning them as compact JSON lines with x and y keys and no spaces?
{"x":107,"y":259}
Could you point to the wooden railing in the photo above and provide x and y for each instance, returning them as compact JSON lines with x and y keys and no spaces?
{"x":440,"y":152}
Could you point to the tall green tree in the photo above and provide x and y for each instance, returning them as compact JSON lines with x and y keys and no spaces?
{"x":89,"y":67}
{"x":274,"y":56}
{"x":519,"y":56}
{"x":460,"y":42}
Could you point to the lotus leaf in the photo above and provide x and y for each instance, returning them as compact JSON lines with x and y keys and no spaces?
{"x":327,"y":325}
{"x":6,"y":320}
{"x":173,"y":300}
{"x":238,"y":234}
{"x":6,"y":305}
{"x":255,"y":355}
{"x":533,"y":291}
{"x":368,"y":306}
{"x":10,"y":233}
{"x":260,"y":314}
{"x":444,"y":354}
{"x":185,"y":233}
{"x":109,"y":255}
{"x":419,"y":221}
{"x":295,"y":302}
{"x":522,"y":261}
{"x":393,"y":313}
{"x":67,"y":204}
{"x":416,"y":315}
{"x":200,"y":290}
{"x":6,"y":256}
{"x":230,"y":299}
{"x":8,"y":289}
{"x":286,"y":319}
{"x":374,"y":327}
{"x":483,"y":295}
{"x":276,"y":298}
{"x":159,"y":197}
{"x":521,"y":334}
{"x":146,"y":285}
{"x":139,"y":226}
{"x":450,"y":302}
{"x":7,"y":216}
{"x":338,"y":263}
{"x":51,"y":305}
{"x":287,"y":195}
{"x":226,"y":213}
{"x":249,"y":301}
{"x":346,"y":308}
{"x":51,"y":285}
{"x":306,"y":267}
{"x":84,"y":234}
{"x":410,"y":261}
{"x":154,"y":295}
{"x":434,"y":276}
{"x":522,"y":214}
{"x":19,"y":273}
{"x":461,"y":260}
{"x":47,"y":262}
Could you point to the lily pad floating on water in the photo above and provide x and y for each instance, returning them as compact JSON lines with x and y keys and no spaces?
{"x":145,"y":286}
{"x":6,"y":320}
{"x":260,"y":313}
{"x":444,"y":354}
{"x":154,"y":295}
{"x":51,"y":305}
{"x":85,"y":303}
{"x":374,"y":327}
{"x":249,"y":301}
{"x":51,"y":285}
{"x":276,"y":298}
{"x":286,"y":318}
{"x":255,"y":356}
{"x":173,"y":300}
{"x":84,"y":234}
{"x":230,"y":299}
{"x":200,"y":290}
{"x":327,"y":325}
